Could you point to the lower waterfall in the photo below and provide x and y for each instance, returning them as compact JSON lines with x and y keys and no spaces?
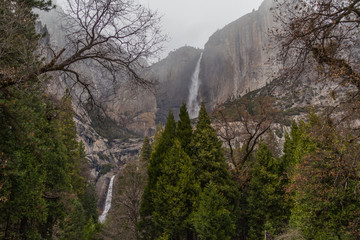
{"x":193,"y":102}
{"x":107,"y":207}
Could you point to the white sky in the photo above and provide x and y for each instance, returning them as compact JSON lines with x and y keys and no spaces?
{"x":192,"y":22}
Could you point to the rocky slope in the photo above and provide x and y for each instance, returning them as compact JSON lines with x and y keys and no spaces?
{"x":112,"y":135}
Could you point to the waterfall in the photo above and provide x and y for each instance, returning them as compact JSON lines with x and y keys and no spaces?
{"x":193,"y":102}
{"x":108,"y":201}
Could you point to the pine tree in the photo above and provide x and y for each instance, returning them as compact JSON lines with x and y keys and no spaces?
{"x":213,"y":219}
{"x":175,"y":195}
{"x":207,"y":153}
{"x":157,"y":135}
{"x":41,"y":157}
{"x":267,"y":209}
{"x":184,"y":129}
{"x":145,"y":151}
{"x":146,"y":225}
{"x":203,"y":119}
{"x":209,"y":162}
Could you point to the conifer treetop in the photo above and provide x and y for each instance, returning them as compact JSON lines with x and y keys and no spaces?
{"x":203,"y":118}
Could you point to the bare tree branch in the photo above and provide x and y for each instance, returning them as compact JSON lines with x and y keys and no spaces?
{"x":319,"y":33}
{"x":116,"y":35}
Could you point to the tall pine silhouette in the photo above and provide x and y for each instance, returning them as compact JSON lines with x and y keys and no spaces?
{"x":146,"y":225}
{"x":184,"y":129}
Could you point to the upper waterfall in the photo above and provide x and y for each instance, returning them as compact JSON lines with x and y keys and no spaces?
{"x":193,"y":102}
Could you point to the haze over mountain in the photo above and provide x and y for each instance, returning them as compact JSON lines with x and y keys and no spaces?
{"x":236,"y":60}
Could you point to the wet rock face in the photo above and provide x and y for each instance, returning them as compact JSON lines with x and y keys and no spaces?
{"x":236,"y":58}
{"x":174,"y":77}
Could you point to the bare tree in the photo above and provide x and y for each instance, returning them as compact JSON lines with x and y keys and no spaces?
{"x":248,"y":123}
{"x":116,"y":35}
{"x":320,"y":33}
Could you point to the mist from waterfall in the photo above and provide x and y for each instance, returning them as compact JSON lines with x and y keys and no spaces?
{"x":193,"y":102}
{"x":102,"y":217}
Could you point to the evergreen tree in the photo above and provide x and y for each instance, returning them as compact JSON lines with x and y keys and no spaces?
{"x":157,"y":135}
{"x":146,"y":225}
{"x":209,"y":162}
{"x":175,"y":195}
{"x":184,"y":129}
{"x":213,"y":220}
{"x":145,"y":151}
{"x":203,"y":119}
{"x":324,"y":193}
{"x":267,"y":209}
{"x":207,"y":154}
{"x":28,"y":147}
{"x":295,"y":147}
{"x":39,"y":155}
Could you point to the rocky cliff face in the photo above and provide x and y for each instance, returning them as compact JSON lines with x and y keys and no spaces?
{"x":129,"y":106}
{"x":236,"y":58}
{"x":112,"y":135}
{"x":174,"y":77}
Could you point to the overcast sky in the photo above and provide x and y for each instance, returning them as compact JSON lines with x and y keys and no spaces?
{"x":192,"y":22}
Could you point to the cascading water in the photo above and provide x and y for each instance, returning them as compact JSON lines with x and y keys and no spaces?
{"x":108,"y":201}
{"x":193,"y":102}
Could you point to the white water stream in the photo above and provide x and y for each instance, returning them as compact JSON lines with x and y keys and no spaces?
{"x":193,"y":102}
{"x":102,"y":217}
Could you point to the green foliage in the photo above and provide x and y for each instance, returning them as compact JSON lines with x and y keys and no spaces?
{"x":105,"y":168}
{"x":175,"y":194}
{"x":89,"y":203}
{"x":153,"y":172}
{"x":145,"y":151}
{"x":181,"y":179}
{"x":107,"y":127}
{"x":268,"y":209}
{"x":157,"y":135}
{"x":213,"y":220}
{"x":209,"y":162}
{"x":207,"y":153}
{"x":325,"y":194}
{"x":203,"y":119}
{"x":184,"y":129}
{"x":41,"y":159}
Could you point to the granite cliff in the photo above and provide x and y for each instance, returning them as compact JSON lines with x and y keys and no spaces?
{"x":174,"y":76}
{"x":236,"y":60}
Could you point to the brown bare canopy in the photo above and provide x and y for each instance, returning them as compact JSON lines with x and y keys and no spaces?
{"x":246,"y":123}
{"x":320,"y":33}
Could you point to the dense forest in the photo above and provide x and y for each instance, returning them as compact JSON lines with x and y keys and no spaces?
{"x":231,"y":174}
{"x":310,"y":191}
{"x":44,"y":192}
